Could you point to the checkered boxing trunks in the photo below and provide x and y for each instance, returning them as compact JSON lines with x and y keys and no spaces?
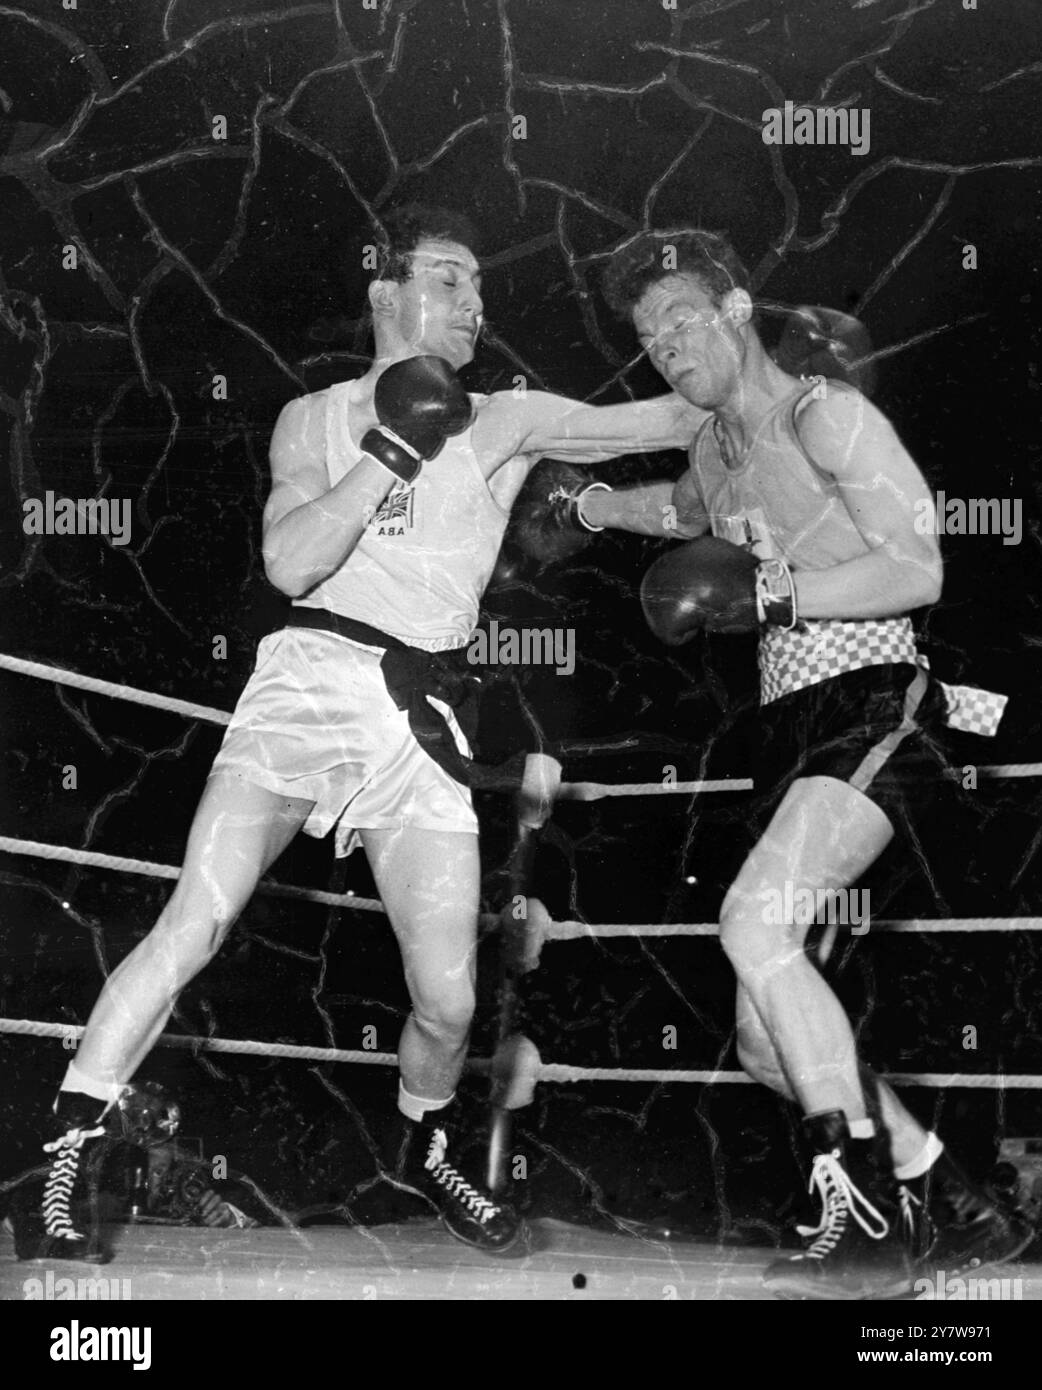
{"x":820,"y":649}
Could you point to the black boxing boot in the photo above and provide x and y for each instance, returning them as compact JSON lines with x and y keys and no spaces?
{"x":468,"y":1209}
{"x":856,"y":1251}
{"x":952,"y":1225}
{"x":61,"y":1225}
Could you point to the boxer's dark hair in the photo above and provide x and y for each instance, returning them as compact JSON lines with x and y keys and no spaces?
{"x":404,"y":227}
{"x":642,"y":262}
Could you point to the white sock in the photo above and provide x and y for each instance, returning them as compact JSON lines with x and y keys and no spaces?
{"x":861,"y":1129}
{"x":76,"y":1080}
{"x":415,"y":1107}
{"x":923,"y":1161}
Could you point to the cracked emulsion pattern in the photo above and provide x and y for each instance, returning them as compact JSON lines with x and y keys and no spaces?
{"x":213,"y":170}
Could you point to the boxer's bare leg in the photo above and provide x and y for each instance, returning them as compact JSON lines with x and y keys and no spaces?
{"x":429,"y":881}
{"x":759,"y":1058}
{"x":823,"y":835}
{"x":239,"y":830}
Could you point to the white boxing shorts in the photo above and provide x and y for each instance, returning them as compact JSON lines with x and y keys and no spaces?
{"x":315,"y":721}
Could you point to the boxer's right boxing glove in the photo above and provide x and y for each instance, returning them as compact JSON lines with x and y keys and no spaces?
{"x":714,"y":585}
{"x":419,"y":402}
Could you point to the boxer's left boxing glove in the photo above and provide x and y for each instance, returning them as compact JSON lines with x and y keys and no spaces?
{"x":711,"y":585}
{"x":818,"y":341}
{"x":547,"y":522}
{"x":419,"y":402}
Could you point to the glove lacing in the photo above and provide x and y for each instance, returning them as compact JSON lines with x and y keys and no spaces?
{"x":57,"y":1190}
{"x":840,"y":1200}
{"x":453,"y":1181}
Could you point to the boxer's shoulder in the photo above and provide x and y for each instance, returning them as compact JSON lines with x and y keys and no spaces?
{"x":316,"y":404}
{"x":302,"y":410}
{"x":827,"y":401}
{"x":837,"y":422}
{"x":300,"y":430}
{"x":311,"y":411}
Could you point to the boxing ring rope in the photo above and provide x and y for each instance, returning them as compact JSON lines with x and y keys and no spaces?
{"x":570,"y":791}
{"x":30,"y":1027}
{"x":551,"y":931}
{"x":577,"y":931}
{"x":546,"y":1071}
{"x":37,"y":849}
{"x":545,"y":932}
{"x":61,"y":676}
{"x":554,"y":931}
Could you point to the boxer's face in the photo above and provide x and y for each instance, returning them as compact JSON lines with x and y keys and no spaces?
{"x":438,"y":310}
{"x":692,"y":341}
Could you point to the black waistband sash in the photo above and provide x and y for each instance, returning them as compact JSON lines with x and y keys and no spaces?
{"x":413,"y":677}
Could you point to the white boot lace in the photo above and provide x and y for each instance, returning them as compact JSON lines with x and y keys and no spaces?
{"x":453,"y":1182}
{"x":57,"y":1191}
{"x":911,"y":1207}
{"x":840,"y":1199}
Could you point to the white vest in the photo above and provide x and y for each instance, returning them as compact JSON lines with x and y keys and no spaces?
{"x":422,"y":564}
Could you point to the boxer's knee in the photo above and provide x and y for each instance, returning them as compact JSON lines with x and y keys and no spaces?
{"x":749,"y":943}
{"x":445,"y":1009}
{"x":184,"y":941}
{"x":756,"y":937}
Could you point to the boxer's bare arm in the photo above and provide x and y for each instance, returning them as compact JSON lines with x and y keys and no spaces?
{"x":310,"y":528}
{"x":543,"y":425}
{"x":889,"y":502}
{"x":670,"y":510}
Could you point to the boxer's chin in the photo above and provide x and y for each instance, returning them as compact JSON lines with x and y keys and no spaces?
{"x":694,"y":389}
{"x":464,"y":355}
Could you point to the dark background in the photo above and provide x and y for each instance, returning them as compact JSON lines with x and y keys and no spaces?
{"x":243,"y":258}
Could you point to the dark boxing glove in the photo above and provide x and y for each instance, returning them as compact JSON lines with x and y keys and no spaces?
{"x":548,"y":523}
{"x":710,"y":584}
{"x":511,"y":567}
{"x":419,"y":402}
{"x":817,"y":341}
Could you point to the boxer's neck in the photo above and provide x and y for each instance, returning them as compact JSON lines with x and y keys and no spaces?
{"x":760,"y":385}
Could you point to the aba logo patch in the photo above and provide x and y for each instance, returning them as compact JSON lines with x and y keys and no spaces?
{"x":394,"y":515}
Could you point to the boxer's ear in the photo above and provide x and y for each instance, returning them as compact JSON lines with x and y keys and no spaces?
{"x":383,"y":298}
{"x":737,"y":306}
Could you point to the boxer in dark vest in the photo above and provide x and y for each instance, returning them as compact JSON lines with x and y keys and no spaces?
{"x":805,"y":499}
